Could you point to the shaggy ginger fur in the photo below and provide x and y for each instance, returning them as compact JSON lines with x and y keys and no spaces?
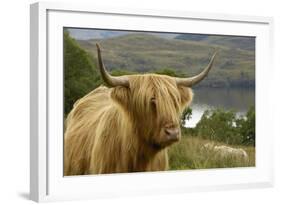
{"x":114,"y":130}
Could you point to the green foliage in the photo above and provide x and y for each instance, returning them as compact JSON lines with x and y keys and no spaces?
{"x":166,"y":71}
{"x":186,"y":115}
{"x":80,"y":74}
{"x":227,"y":126}
{"x":120,"y":72}
{"x":218,"y":125}
{"x":246,"y":127}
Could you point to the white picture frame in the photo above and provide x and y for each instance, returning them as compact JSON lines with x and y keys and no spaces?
{"x":46,"y":132}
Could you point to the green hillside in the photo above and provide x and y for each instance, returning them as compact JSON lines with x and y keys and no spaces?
{"x":237,"y":42}
{"x":244,"y":43}
{"x":147,"y":53}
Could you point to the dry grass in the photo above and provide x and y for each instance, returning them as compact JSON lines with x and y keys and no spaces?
{"x":188,"y":154}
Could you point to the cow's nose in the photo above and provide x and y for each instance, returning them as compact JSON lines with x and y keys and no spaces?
{"x":172,"y":134}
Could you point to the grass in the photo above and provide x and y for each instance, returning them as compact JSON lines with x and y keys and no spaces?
{"x":188,"y":154}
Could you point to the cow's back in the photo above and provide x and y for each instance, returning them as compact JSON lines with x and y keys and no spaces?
{"x":80,"y":130}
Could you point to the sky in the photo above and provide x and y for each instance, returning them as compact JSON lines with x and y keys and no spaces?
{"x":85,"y":34}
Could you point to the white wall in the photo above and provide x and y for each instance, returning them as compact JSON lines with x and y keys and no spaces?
{"x":14,"y":100}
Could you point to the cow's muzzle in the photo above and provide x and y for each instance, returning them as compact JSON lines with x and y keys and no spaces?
{"x":171,"y":135}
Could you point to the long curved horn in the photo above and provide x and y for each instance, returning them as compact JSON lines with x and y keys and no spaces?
{"x":108,"y":79}
{"x":188,"y":82}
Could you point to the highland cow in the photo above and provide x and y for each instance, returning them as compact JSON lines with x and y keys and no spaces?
{"x":127,"y":126}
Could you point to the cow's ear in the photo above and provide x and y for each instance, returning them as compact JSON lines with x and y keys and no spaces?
{"x":121,"y":95}
{"x":186,"y":95}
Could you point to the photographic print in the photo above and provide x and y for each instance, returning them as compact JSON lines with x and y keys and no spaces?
{"x":139,"y":101}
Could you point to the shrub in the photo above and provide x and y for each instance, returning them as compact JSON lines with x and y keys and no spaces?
{"x":227,"y":126}
{"x":247,"y":127}
{"x":80,"y":74}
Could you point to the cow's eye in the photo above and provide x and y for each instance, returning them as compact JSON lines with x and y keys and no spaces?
{"x":153,"y":104}
{"x":153,"y":100}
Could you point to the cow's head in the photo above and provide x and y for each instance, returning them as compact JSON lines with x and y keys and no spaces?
{"x":153,"y":103}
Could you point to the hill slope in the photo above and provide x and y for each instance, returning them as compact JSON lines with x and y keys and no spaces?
{"x":147,"y":53}
{"x":238,"y":42}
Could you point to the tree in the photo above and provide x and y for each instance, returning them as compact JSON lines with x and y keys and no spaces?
{"x":227,"y":126}
{"x":247,"y":127}
{"x":219,"y":125}
{"x":80,"y":74}
{"x":186,"y":115}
